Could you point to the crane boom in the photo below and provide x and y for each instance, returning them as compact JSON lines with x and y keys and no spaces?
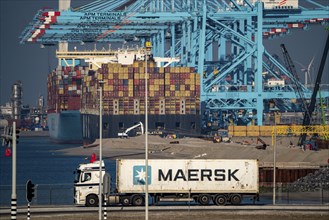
{"x":307,"y":119}
{"x":125,"y":133}
{"x":291,"y":67}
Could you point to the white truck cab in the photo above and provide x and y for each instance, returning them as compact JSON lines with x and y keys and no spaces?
{"x":86,"y":183}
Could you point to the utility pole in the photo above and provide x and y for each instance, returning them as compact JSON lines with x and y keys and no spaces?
{"x":13,"y":192}
{"x":274,"y":164}
{"x":100,"y":201}
{"x":148,"y":47}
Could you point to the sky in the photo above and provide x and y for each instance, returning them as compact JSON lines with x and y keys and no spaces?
{"x":30,"y":64}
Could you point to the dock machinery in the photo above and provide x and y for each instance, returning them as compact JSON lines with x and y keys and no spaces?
{"x":308,"y":117}
{"x":222,"y":39}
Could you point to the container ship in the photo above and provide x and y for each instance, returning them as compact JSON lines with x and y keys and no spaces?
{"x":73,"y":99}
{"x":64,"y":103}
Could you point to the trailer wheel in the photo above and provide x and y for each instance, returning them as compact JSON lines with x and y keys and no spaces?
{"x":92,"y":201}
{"x":125,"y":200}
{"x":138,"y":200}
{"x":220,"y":200}
{"x":204,"y":199}
{"x":236,"y":199}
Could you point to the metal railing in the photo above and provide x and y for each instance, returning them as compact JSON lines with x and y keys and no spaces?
{"x":296,"y":193}
{"x":45,"y":194}
{"x":62,"y":194}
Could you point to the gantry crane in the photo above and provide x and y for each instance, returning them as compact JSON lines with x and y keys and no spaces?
{"x":221,"y":39}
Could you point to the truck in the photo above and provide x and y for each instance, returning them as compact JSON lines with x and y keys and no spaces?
{"x":204,"y":181}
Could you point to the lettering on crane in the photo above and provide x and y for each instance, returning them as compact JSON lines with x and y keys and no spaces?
{"x":102,"y":16}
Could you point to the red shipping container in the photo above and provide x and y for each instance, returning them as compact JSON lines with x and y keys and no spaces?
{"x":73,"y":103}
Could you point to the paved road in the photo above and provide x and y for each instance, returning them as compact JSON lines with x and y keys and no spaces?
{"x":178,"y":212}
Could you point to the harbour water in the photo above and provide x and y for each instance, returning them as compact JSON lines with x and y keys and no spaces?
{"x":39,"y":160}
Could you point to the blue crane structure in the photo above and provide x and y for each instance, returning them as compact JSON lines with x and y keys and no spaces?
{"x":222,"y":39}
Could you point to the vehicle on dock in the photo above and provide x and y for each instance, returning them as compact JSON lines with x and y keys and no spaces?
{"x":177,"y":180}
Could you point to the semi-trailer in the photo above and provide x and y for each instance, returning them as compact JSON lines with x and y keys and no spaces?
{"x":204,"y":181}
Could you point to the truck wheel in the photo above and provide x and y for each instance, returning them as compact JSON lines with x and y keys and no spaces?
{"x":138,"y":200}
{"x":204,"y":199}
{"x":220,"y":200}
{"x":236,"y":199}
{"x":92,"y":201}
{"x":125,"y":200}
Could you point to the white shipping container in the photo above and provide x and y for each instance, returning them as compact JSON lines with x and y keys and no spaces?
{"x":194,"y":176}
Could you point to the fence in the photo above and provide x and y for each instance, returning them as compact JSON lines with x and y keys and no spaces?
{"x":296,"y":193}
{"x":62,"y":194}
{"x":45,"y":194}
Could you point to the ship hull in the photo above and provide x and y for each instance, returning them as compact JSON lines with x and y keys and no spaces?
{"x":65,"y":127}
{"x":185,"y":125}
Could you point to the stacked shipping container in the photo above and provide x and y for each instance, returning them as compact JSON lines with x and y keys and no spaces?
{"x":64,"y":88}
{"x":171,"y":90}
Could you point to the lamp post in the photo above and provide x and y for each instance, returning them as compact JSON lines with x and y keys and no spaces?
{"x":13,"y":192}
{"x":146,"y":135}
{"x":274,"y":162}
{"x":100,"y":147}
